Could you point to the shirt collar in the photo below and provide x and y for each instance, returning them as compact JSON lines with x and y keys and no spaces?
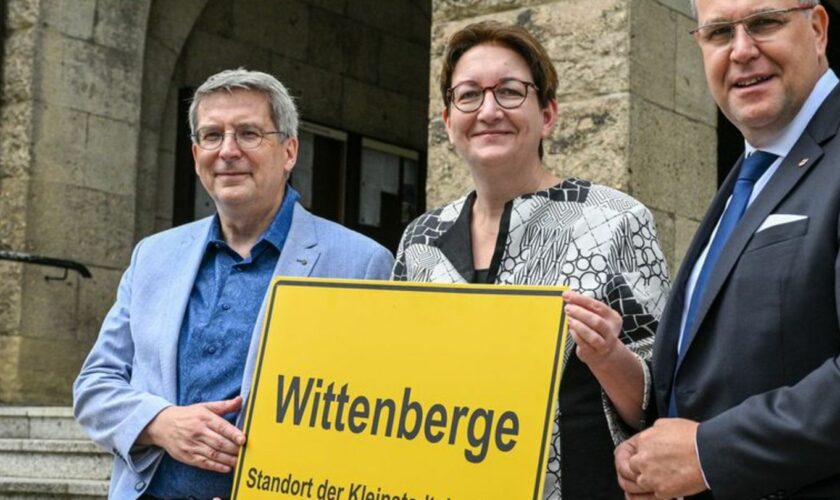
{"x":275,"y":233}
{"x":782,"y":145}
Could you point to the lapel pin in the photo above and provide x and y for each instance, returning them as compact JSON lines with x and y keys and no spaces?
{"x":803,"y":162}
{"x":302,"y":261}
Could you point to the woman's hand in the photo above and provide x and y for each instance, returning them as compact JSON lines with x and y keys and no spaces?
{"x":594,"y":326}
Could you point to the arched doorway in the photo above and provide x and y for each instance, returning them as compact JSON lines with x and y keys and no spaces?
{"x":359,"y":71}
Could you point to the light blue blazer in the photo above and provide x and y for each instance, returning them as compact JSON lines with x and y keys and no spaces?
{"x":130,"y":374}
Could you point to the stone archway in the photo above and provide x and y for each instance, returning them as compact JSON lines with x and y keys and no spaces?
{"x":169,"y":26}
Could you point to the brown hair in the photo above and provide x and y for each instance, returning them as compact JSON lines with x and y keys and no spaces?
{"x":511,"y":36}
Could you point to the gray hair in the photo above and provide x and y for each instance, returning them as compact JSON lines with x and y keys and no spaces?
{"x":803,"y":2}
{"x":284,"y":114}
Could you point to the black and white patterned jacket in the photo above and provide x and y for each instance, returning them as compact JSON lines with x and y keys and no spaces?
{"x":591,"y":238}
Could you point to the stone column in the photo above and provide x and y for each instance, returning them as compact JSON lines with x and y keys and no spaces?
{"x":634,"y":110}
{"x":70,"y":119}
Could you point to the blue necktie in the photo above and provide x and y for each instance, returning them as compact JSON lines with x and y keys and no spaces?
{"x":751,"y":169}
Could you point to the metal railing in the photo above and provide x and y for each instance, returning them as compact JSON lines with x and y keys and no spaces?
{"x":66,"y":265}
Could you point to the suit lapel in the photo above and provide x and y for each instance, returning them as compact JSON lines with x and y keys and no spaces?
{"x":821,"y":128}
{"x":300,"y":252}
{"x":185,"y":256}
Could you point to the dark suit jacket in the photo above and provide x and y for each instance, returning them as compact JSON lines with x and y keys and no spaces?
{"x":762,"y":372}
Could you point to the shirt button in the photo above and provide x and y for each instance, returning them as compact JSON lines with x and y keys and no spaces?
{"x":226,"y":307}
{"x":211,"y":349}
{"x":140,"y":485}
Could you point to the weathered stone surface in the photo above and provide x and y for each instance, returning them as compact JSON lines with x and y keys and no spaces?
{"x":10,"y":383}
{"x":684,"y":232}
{"x":171,"y":22}
{"x":164,"y":191}
{"x":60,"y":139}
{"x":13,"y":426}
{"x":215,"y":17}
{"x":96,"y":296}
{"x":39,"y":422}
{"x":586,"y":39}
{"x":673,"y":160}
{"x":54,"y":459}
{"x":666,"y":233}
{"x":404,"y":67}
{"x":11,"y":274}
{"x":590,"y":141}
{"x":335,"y":6}
{"x":47,"y":369}
{"x":89,"y":226}
{"x":397,"y":17}
{"x":73,"y":18}
{"x":110,"y":169}
{"x":448,"y":177}
{"x":159,"y":63}
{"x":22,"y":488}
{"x":88,"y":77}
{"x":15,"y":139}
{"x":147,"y":172}
{"x":206,"y":54}
{"x":325,"y":48}
{"x":285,"y":31}
{"x":22,"y":13}
{"x":77,"y":148}
{"x":122,"y":25}
{"x":13,"y":199}
{"x":167,"y":125}
{"x":51,"y":307}
{"x":419,"y":129}
{"x":361,"y":52}
{"x":106,"y":223}
{"x":317,"y":92}
{"x":19,"y":65}
{"x":681,"y":6}
{"x":693,"y":98}
{"x":653,"y":52}
{"x":376,"y":112}
{"x":446,"y":10}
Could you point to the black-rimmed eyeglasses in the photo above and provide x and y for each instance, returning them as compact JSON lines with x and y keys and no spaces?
{"x":246,"y":137}
{"x":468,"y":97}
{"x":760,"y":26}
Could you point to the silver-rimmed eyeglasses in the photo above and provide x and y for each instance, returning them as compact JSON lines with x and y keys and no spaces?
{"x":246,"y":137}
{"x":760,"y":26}
{"x":468,"y":97}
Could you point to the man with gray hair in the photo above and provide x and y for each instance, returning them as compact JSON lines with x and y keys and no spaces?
{"x":166,"y":378}
{"x":746,"y":364}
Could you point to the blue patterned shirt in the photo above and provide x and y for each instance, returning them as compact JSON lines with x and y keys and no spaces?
{"x":215,"y":337}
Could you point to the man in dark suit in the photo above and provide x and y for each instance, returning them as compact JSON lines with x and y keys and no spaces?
{"x":746,"y":367}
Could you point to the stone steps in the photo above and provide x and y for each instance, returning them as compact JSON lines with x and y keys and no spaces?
{"x":39,"y":423}
{"x":44,"y":454}
{"x":14,"y":488}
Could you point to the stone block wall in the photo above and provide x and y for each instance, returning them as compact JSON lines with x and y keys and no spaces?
{"x":673,"y":139}
{"x":70,"y":118}
{"x":634,"y":112}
